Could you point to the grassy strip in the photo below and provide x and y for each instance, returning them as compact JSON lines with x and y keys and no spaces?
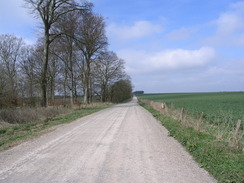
{"x":224,"y":163}
{"x":12,"y":135}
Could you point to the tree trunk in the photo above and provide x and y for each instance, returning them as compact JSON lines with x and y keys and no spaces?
{"x":88,"y":83}
{"x":65,"y":84}
{"x":85,"y":95}
{"x":91,"y":89}
{"x":44,"y":100}
{"x":75,"y":92}
{"x":52,"y":88}
{"x":32,"y":102}
{"x":103,"y":93}
{"x":72,"y":77}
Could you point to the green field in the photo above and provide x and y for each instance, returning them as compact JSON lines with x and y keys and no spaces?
{"x":219,"y":107}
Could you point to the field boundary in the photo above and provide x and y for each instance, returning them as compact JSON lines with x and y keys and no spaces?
{"x":232,"y":136}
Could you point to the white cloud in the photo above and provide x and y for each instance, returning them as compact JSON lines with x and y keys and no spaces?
{"x":217,"y":76}
{"x":232,"y":21}
{"x":166,"y":60}
{"x":181,"y":34}
{"x":238,"y":6}
{"x":181,"y":58}
{"x":139,"y":29}
{"x":229,"y":23}
{"x":229,"y":27}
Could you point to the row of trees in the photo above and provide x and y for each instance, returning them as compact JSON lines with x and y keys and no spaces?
{"x":70,"y":59}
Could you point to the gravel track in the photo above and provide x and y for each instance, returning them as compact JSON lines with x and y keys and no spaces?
{"x":121,"y":144}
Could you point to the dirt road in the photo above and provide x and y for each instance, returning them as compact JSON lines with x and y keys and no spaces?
{"x":120,"y":144}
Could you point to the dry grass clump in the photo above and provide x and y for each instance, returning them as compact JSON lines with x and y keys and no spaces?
{"x":29,"y":115}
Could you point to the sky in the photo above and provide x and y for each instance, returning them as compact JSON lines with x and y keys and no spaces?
{"x":168,"y":46}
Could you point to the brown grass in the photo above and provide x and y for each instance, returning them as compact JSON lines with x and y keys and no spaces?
{"x":29,"y":115}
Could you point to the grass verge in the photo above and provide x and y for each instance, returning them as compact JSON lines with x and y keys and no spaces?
{"x":224,"y":163}
{"x":15,"y":134}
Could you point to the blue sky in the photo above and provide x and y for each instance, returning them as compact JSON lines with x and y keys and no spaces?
{"x":168,"y":46}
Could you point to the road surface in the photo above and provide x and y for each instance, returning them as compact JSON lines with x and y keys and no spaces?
{"x":121,"y":144}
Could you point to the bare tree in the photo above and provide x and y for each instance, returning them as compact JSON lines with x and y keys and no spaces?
{"x":53,"y":69}
{"x":3,"y":84}
{"x":91,"y":40}
{"x":10,"y":51}
{"x":108,"y":69}
{"x":29,"y":68}
{"x":50,"y":11}
{"x":67,"y":49}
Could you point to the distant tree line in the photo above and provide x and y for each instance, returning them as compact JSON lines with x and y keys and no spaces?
{"x":138,"y":92}
{"x":70,"y":59}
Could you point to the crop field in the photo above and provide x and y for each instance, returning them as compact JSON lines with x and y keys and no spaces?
{"x":219,"y":107}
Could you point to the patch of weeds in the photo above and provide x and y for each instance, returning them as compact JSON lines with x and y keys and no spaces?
{"x":15,"y":127}
{"x":10,"y":131}
{"x":3,"y":130}
{"x":224,"y":163}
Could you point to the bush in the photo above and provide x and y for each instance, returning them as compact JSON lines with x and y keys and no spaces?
{"x":121,"y":91}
